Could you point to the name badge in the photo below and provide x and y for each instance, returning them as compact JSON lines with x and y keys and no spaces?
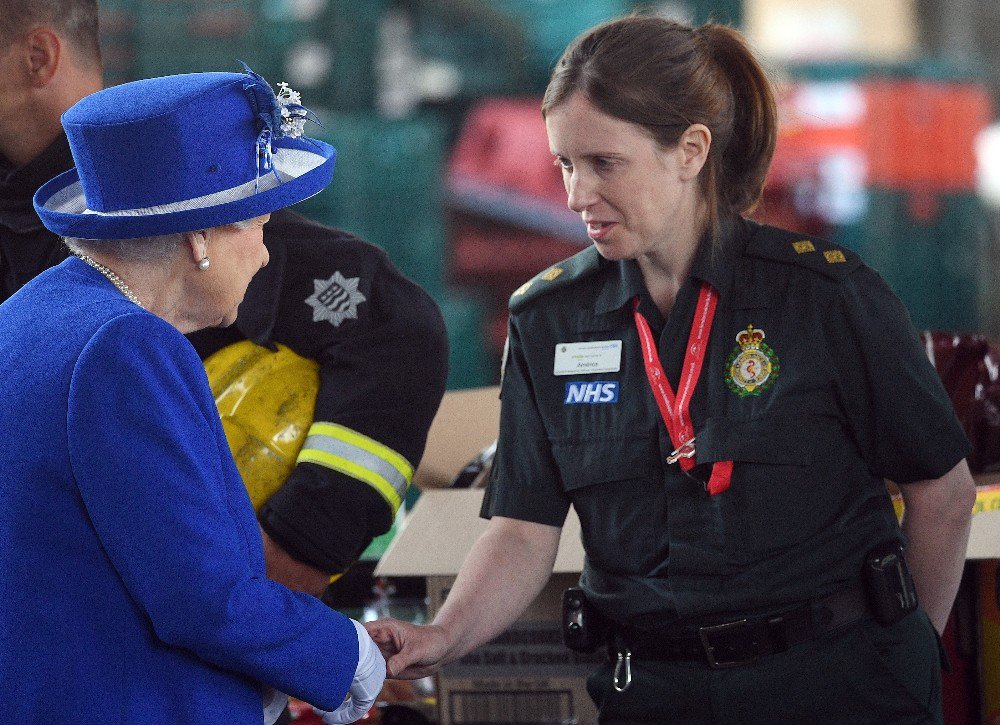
{"x":600,"y":356}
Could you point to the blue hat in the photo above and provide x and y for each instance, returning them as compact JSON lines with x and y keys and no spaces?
{"x":182,"y":153}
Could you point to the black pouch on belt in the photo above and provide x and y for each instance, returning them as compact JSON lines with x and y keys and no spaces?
{"x":583,"y":627}
{"x":887,"y":579}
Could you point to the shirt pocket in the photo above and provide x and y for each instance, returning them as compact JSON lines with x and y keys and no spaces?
{"x":778,"y":500}
{"x":616,"y":487}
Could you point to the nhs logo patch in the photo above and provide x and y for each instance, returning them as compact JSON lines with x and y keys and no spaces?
{"x":591,"y":392}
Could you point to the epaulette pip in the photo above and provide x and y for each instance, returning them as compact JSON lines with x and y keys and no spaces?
{"x":580,"y":265}
{"x":819,"y":255}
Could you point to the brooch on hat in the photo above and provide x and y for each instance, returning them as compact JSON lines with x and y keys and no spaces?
{"x":293,"y":114}
{"x":753,"y":366}
{"x":280,"y":115}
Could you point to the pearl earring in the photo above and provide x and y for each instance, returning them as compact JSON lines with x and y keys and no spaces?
{"x":203,"y":263}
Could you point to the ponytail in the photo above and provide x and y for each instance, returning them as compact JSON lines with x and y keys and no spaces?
{"x":744,"y":161}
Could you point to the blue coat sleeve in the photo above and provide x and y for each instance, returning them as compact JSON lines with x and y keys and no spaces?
{"x":158,"y":483}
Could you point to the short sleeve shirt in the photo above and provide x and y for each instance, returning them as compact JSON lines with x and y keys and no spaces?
{"x":849,"y":400}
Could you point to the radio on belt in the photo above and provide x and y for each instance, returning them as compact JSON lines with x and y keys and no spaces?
{"x":583,"y":627}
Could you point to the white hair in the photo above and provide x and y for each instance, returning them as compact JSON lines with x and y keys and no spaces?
{"x":244,"y":224}
{"x":140,"y":249}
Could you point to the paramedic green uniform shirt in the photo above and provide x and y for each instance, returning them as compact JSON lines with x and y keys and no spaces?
{"x":815,"y":385}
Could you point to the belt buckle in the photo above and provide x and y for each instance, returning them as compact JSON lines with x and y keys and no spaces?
{"x":705,"y":633}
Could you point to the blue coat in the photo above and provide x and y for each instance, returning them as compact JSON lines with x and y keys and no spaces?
{"x":132,"y":584}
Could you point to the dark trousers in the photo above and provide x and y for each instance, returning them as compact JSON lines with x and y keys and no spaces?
{"x":864,"y":673}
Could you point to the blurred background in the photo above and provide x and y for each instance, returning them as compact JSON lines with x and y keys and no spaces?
{"x":887,"y":142}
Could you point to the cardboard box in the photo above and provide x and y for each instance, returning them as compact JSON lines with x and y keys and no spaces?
{"x":526,"y":675}
{"x":466,"y":422}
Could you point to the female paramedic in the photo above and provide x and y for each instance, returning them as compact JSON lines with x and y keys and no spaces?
{"x":721,"y":402}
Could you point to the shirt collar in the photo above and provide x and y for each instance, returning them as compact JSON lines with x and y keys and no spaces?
{"x":627,"y":284}
{"x":715,"y":264}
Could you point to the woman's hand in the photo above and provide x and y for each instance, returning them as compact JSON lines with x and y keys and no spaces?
{"x":503,"y":573}
{"x":411,"y":651}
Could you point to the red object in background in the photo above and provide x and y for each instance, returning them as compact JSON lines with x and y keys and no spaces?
{"x":816,"y":121}
{"x":777,"y":207}
{"x":303,"y":714}
{"x":504,"y":144}
{"x":501,"y":257}
{"x":970,"y":370}
{"x":496,"y":331}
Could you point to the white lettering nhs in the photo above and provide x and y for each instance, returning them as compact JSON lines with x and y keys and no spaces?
{"x":597,"y":391}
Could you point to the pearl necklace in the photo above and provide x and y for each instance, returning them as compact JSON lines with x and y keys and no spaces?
{"x":113,"y":278}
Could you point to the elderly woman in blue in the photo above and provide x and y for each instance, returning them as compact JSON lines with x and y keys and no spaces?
{"x":132,"y":580}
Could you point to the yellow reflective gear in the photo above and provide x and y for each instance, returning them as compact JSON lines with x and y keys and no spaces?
{"x":360,"y":457}
{"x":266,"y":401}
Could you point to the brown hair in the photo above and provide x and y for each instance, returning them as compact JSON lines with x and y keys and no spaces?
{"x":665,"y":76}
{"x":76,"y":20}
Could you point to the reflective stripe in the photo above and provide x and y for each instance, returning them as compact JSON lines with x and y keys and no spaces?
{"x":360,"y":457}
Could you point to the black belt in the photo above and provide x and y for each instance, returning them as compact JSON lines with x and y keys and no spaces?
{"x":742,"y":641}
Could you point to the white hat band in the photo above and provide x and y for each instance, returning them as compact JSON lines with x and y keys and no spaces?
{"x":288,"y":164}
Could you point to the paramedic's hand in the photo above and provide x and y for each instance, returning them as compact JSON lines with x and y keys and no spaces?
{"x":368,"y":679}
{"x":275,"y":703}
{"x":412,"y":651}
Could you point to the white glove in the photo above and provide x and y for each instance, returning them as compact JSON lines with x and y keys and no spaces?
{"x":368,"y":679}
{"x":274,"y":704}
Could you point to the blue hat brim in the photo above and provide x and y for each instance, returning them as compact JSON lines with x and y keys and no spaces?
{"x":95,"y":225}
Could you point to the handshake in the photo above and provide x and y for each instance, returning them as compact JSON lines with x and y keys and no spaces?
{"x":367,"y":684}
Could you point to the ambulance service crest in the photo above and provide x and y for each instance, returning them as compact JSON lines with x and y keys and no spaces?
{"x":335,"y":299}
{"x":753,"y":366}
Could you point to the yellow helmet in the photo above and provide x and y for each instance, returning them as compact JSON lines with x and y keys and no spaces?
{"x":266,"y":401}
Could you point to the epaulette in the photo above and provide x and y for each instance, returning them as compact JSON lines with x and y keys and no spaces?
{"x":819,"y":255}
{"x":580,"y":265}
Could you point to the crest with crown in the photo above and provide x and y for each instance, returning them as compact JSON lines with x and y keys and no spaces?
{"x":753,"y":366}
{"x":750,"y":339}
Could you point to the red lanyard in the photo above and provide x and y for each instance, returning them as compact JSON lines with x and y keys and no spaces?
{"x":675,"y":408}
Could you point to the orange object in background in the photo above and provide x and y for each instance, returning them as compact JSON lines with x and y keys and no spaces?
{"x":817,"y":121}
{"x":895,"y":133}
{"x":921,"y":134}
